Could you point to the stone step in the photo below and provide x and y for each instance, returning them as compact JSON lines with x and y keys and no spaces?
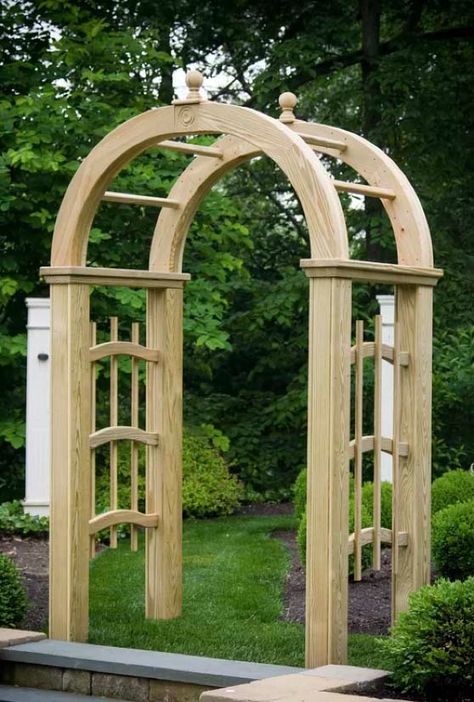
{"x":9,"y":693}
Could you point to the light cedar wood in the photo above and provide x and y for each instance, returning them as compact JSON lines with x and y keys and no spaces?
{"x":163,"y":596}
{"x":371,"y":272}
{"x":134,"y":407}
{"x":369,"y":349}
{"x":359,"y":397}
{"x":343,"y":186}
{"x":191,"y":148}
{"x":122,"y":516}
{"x":320,"y":203}
{"x":93,"y":342}
{"x":123,"y":348}
{"x":70,"y":463}
{"x":413,"y":310}
{"x":113,"y":276}
{"x":367,"y":443}
{"x":320,"y":141}
{"x":144,"y":200}
{"x":113,"y":424}
{"x":328,"y":471}
{"x":377,"y":507}
{"x":117,"y":433}
{"x":367,"y":536}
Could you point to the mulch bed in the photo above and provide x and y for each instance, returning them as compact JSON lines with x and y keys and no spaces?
{"x":369,"y":600}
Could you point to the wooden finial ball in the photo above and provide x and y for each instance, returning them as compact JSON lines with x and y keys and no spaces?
{"x":287,"y":102}
{"x":194,"y":80}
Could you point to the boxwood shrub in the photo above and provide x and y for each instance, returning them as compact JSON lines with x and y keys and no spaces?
{"x":13,"y":601}
{"x":452,"y":487}
{"x":453,"y":540}
{"x":431,"y":647}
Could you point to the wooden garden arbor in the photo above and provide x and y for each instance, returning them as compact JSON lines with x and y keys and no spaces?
{"x":293,"y":145}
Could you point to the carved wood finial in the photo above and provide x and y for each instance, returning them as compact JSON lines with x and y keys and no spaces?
{"x":194,"y":81}
{"x":287,"y":102}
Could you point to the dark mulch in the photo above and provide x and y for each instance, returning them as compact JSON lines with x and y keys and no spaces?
{"x":369,"y":600}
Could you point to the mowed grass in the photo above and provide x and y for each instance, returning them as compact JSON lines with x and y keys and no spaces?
{"x":234,"y":574}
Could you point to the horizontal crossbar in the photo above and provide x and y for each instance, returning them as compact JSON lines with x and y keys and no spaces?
{"x":368,"y":443}
{"x":362,"y":189}
{"x":191,"y":148}
{"x":367,"y":537}
{"x":368,"y":351}
{"x":321,"y":141}
{"x":122,"y":516}
{"x":103,"y":436}
{"x":123,"y":348}
{"x":146,"y":200}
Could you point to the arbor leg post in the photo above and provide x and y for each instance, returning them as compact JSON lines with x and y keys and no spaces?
{"x":164,"y":462}
{"x":70,"y":463}
{"x":328,"y":474}
{"x":413,"y":484}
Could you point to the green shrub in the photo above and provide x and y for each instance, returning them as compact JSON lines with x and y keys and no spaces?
{"x":14,"y":521}
{"x":453,"y":540}
{"x":209,"y":490}
{"x":299,"y":494}
{"x":451,"y":488}
{"x":385,"y":503}
{"x":431,"y":647}
{"x":13,"y":602}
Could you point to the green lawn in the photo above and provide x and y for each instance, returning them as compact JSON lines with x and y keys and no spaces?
{"x":233,"y":581}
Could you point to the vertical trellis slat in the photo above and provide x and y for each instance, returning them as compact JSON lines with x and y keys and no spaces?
{"x":377,"y":440}
{"x":93,"y":327}
{"x":134,"y":445}
{"x":113,"y":423}
{"x":359,"y":393}
{"x":395,"y":458}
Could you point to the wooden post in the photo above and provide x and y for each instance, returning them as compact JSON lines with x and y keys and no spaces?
{"x":164,"y":461}
{"x":70,"y":475}
{"x":413,"y":486}
{"x":328,"y":471}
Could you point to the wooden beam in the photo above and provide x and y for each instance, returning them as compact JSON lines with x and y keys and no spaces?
{"x":117,"y":433}
{"x":191,"y":148}
{"x":362,"y":189}
{"x":131,"y":278}
{"x":370,"y":271}
{"x":145,"y":200}
{"x":122,"y":516}
{"x":328,"y":471}
{"x":320,"y":141}
{"x":368,"y":537}
{"x":123,"y":348}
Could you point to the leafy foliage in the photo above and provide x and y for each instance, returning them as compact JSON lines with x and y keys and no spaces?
{"x":14,"y":521}
{"x":13,"y":602}
{"x":453,"y":540}
{"x":451,"y":488}
{"x":431,"y":647}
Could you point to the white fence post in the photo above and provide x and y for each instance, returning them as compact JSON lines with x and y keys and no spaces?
{"x":38,"y":407}
{"x":387,"y":311}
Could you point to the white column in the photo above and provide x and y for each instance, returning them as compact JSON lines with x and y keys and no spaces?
{"x":387,"y":311}
{"x":38,"y":407}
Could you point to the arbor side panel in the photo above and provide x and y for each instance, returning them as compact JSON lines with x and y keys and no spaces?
{"x":328,"y":471}
{"x":70,"y":471}
{"x":413,"y":499}
{"x":164,"y":462}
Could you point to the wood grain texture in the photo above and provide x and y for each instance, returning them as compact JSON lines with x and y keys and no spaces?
{"x":164,"y":462}
{"x":93,"y":341}
{"x":328,"y":472}
{"x":134,"y":409}
{"x":370,"y":271}
{"x":320,"y":203}
{"x":112,"y":436}
{"x":127,"y":277}
{"x":358,"y":467}
{"x":377,"y":498}
{"x":123,"y":348}
{"x":197,"y":149}
{"x":343,"y":186}
{"x":369,"y":349}
{"x":413,"y":490}
{"x":368,"y":536}
{"x":122,"y":516}
{"x":70,"y":458}
{"x":118,"y":433}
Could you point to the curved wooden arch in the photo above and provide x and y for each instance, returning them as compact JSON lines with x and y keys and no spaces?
{"x":406,"y":215}
{"x":321,"y":206}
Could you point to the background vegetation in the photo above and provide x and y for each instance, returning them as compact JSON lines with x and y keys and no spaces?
{"x":398,"y":73}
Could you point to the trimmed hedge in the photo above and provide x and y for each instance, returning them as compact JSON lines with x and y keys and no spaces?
{"x":451,"y":488}
{"x":13,"y":601}
{"x":453,"y":540}
{"x":431,"y":647}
